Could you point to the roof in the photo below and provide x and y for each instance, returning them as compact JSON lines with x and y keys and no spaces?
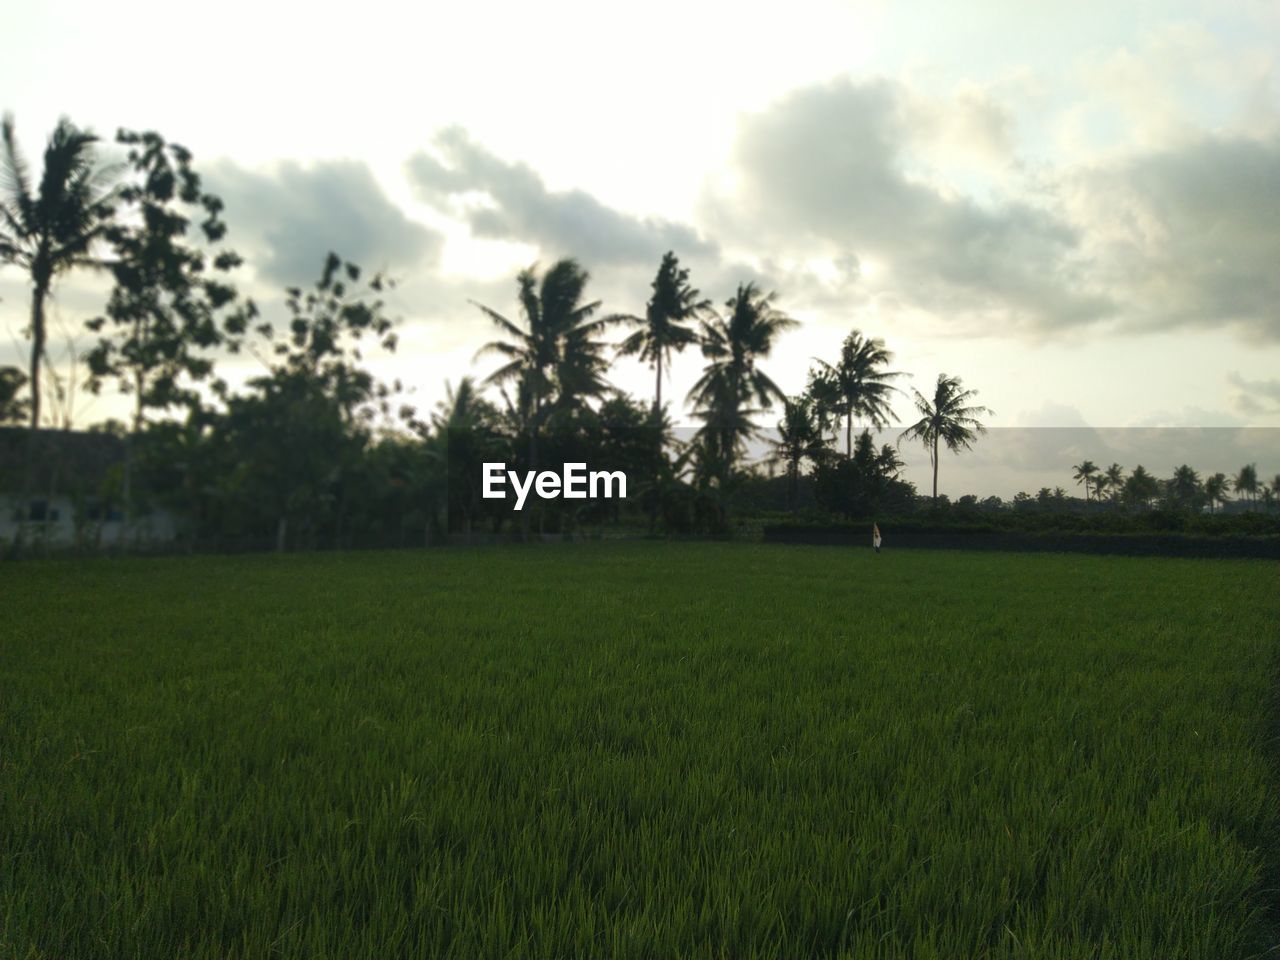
{"x":65,"y":461}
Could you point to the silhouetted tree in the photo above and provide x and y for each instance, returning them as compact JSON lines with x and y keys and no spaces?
{"x":663,"y":329}
{"x":731,"y":383}
{"x":13,"y":408}
{"x":1215,"y":490}
{"x":947,"y":417}
{"x":799,"y":439}
{"x":1246,"y":481}
{"x":857,"y":385}
{"x":1084,"y":473}
{"x":53,"y":227}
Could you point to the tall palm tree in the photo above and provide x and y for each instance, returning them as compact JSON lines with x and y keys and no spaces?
{"x":857,"y":385}
{"x":947,"y":417}
{"x":555,"y":358}
{"x":51,"y":228}
{"x":1084,"y":472}
{"x":732,"y":382}
{"x":662,"y":330}
{"x":1215,"y":490}
{"x":1246,"y":481}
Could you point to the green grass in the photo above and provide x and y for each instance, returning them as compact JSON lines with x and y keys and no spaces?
{"x":638,"y":750}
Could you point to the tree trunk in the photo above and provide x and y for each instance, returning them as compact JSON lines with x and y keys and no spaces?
{"x":848,"y":434}
{"x":657,"y":393}
{"x":37,"y":349}
{"x":935,"y":470}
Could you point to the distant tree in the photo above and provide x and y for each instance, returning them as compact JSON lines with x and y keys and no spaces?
{"x":53,"y":227}
{"x":1246,"y":481}
{"x":1215,"y":490}
{"x":799,"y":439}
{"x":1184,"y":488}
{"x":946,"y":417}
{"x":1084,"y":473}
{"x":467,"y":435}
{"x":857,"y":385}
{"x":13,"y":409}
{"x":1115,"y":480}
{"x":865,"y":484}
{"x":162,"y":318}
{"x":554,"y":357}
{"x":1140,"y":487}
{"x":732,"y":387}
{"x":663,"y":330}
{"x":1101,"y":483}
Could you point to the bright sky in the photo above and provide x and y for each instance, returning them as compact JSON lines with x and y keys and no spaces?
{"x":1075,"y":211}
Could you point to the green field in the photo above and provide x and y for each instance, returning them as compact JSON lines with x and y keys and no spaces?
{"x":638,"y":750}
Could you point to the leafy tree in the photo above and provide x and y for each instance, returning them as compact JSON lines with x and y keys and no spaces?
{"x":732,"y":387}
{"x":467,"y":427}
{"x":1084,"y":473}
{"x":1101,"y":483}
{"x":946,"y":417}
{"x":864,"y":484}
{"x":301,"y":429}
{"x":857,"y":385}
{"x":53,"y":227}
{"x":1215,"y":490}
{"x":663,"y":328}
{"x":162,"y":318}
{"x":13,"y":409}
{"x":1246,"y":481}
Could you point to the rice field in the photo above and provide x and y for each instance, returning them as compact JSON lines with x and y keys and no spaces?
{"x":637,"y":751}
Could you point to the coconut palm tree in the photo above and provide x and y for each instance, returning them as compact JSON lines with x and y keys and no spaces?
{"x":799,"y":438}
{"x":1140,"y":486}
{"x":1184,"y":487}
{"x":946,"y":418}
{"x":1246,"y":481}
{"x":732,"y":387}
{"x":51,"y":228}
{"x":663,"y":329}
{"x":1215,"y":490}
{"x":1115,"y":480}
{"x":857,"y":385}
{"x":555,"y":359}
{"x":1084,"y":472}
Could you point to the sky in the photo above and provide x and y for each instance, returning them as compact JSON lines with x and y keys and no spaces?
{"x":1073,"y":207}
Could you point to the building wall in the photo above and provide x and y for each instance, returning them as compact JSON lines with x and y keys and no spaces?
{"x":59,"y":526}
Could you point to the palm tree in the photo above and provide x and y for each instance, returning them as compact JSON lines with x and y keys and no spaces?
{"x":799,"y":439}
{"x":1140,"y":486}
{"x":1184,"y":486}
{"x":857,"y":385}
{"x":1215,"y":490}
{"x":1084,"y":472}
{"x":946,"y":418}
{"x":51,"y":229}
{"x":662,"y":330}
{"x":732,"y":381}
{"x":1246,"y":481}
{"x":1100,"y":485}
{"x":555,"y":358}
{"x":1115,"y":480}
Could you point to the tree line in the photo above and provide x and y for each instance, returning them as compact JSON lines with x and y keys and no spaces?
{"x":316,"y":449}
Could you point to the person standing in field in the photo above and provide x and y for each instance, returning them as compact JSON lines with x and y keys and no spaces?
{"x":875,"y":536}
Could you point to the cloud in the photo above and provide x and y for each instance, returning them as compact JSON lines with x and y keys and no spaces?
{"x":510,"y":201}
{"x":1255,"y":397}
{"x":285,"y":218}
{"x":826,"y":169}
